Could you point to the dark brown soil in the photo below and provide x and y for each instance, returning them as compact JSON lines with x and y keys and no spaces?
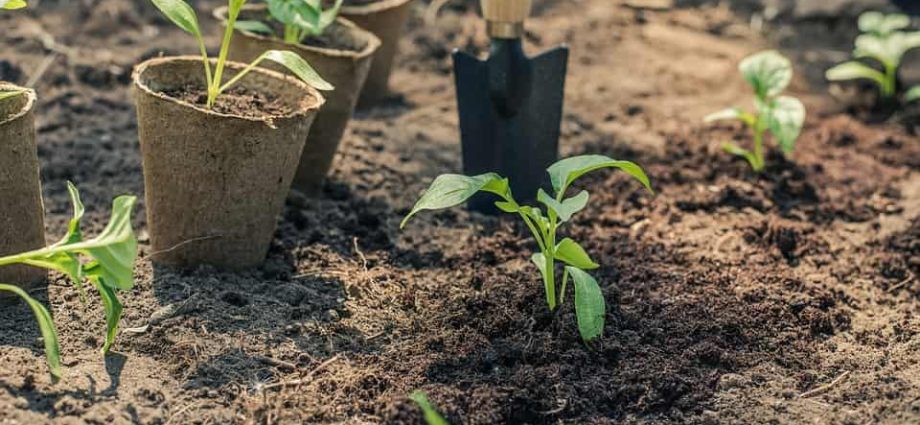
{"x":236,"y":101}
{"x":732,"y":297}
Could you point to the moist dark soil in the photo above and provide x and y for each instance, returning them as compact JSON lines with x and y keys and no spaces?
{"x":236,"y":101}
{"x":733,"y":298}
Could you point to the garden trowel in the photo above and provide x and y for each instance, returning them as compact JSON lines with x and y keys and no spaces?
{"x":510,"y":105}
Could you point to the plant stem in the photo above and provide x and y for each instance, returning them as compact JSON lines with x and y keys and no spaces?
{"x":891,"y":81}
{"x":759,"y":161}
{"x":550,"y":253}
{"x":290,"y":34}
{"x":214,"y":88}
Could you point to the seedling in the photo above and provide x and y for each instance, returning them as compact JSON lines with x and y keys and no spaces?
{"x":9,"y":94}
{"x":301,"y":19}
{"x":432,"y":417}
{"x":912,"y":95}
{"x":107,"y":262}
{"x":883,"y":41}
{"x":769,"y":73}
{"x":181,"y":14}
{"x":450,"y":190}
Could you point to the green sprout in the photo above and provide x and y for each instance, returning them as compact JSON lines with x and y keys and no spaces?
{"x":301,"y":19}
{"x":432,"y":417}
{"x":450,"y":190}
{"x":181,"y":14}
{"x":769,"y":73}
{"x":882,"y":41}
{"x":912,"y":95}
{"x":9,"y":94}
{"x":108,"y":263}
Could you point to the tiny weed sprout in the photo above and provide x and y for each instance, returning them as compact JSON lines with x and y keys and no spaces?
{"x":108,"y":263}
{"x":769,"y":73}
{"x":432,"y":417}
{"x":883,"y":41}
{"x":301,"y":19}
{"x":181,"y":14}
{"x":450,"y":190}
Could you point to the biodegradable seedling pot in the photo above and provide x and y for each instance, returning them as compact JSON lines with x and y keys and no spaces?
{"x":22,"y":225}
{"x":386,"y":19}
{"x":344,"y":62}
{"x":215,"y":182}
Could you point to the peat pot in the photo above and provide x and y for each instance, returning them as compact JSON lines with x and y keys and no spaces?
{"x":215,"y":182}
{"x":344,"y":60}
{"x":22,"y":225}
{"x":386,"y":19}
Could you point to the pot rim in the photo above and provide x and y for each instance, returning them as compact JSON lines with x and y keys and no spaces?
{"x":373,"y":7}
{"x":304,"y":108}
{"x":31,"y":98}
{"x":373,"y":43}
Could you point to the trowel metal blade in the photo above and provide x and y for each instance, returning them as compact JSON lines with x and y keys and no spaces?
{"x":520,"y":146}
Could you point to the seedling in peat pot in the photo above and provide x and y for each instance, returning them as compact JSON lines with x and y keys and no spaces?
{"x":882,"y":41}
{"x":450,"y":190}
{"x":109,"y":266}
{"x":769,"y":73}
{"x":11,"y":5}
{"x":301,"y":19}
{"x":181,"y":14}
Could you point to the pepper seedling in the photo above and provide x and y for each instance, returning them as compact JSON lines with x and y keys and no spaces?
{"x":450,"y":190}
{"x":769,"y":73}
{"x":181,"y":14}
{"x":883,"y":41}
{"x":300,"y":18}
{"x":108,"y":263}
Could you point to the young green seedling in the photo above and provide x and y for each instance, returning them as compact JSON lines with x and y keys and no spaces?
{"x":769,"y":73}
{"x":181,"y":14}
{"x":300,"y":18}
{"x":432,"y":417}
{"x":107,"y":262}
{"x":9,"y":94}
{"x":450,"y":190}
{"x":882,"y":41}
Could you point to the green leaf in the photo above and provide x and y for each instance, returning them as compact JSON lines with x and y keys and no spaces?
{"x":432,"y":417}
{"x":327,"y":17}
{"x":590,"y":308}
{"x":12,"y":4}
{"x":508,"y":206}
{"x":180,"y":13}
{"x":296,"y":13}
{"x":10,"y":94}
{"x":67,"y":262}
{"x":725,"y":114}
{"x":567,"y":208}
{"x":913,"y":94}
{"x":574,"y":255}
{"x":46,"y":326}
{"x":450,"y":190}
{"x":566,"y":171}
{"x":742,"y":152}
{"x":257,"y":27}
{"x":768,"y":72}
{"x":888,"y":50}
{"x":114,"y":250}
{"x":296,"y":64}
{"x":853,"y":71}
{"x":537,"y":215}
{"x":113,"y":310}
{"x":539,"y":260}
{"x":882,"y":24}
{"x":785,"y":118}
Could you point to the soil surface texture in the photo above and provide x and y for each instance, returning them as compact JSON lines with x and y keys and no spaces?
{"x":733,"y":298}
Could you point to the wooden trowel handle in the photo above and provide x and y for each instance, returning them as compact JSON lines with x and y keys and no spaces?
{"x":505,"y":18}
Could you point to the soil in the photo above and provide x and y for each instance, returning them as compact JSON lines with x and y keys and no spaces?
{"x":236,"y":101}
{"x":735,"y":298}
